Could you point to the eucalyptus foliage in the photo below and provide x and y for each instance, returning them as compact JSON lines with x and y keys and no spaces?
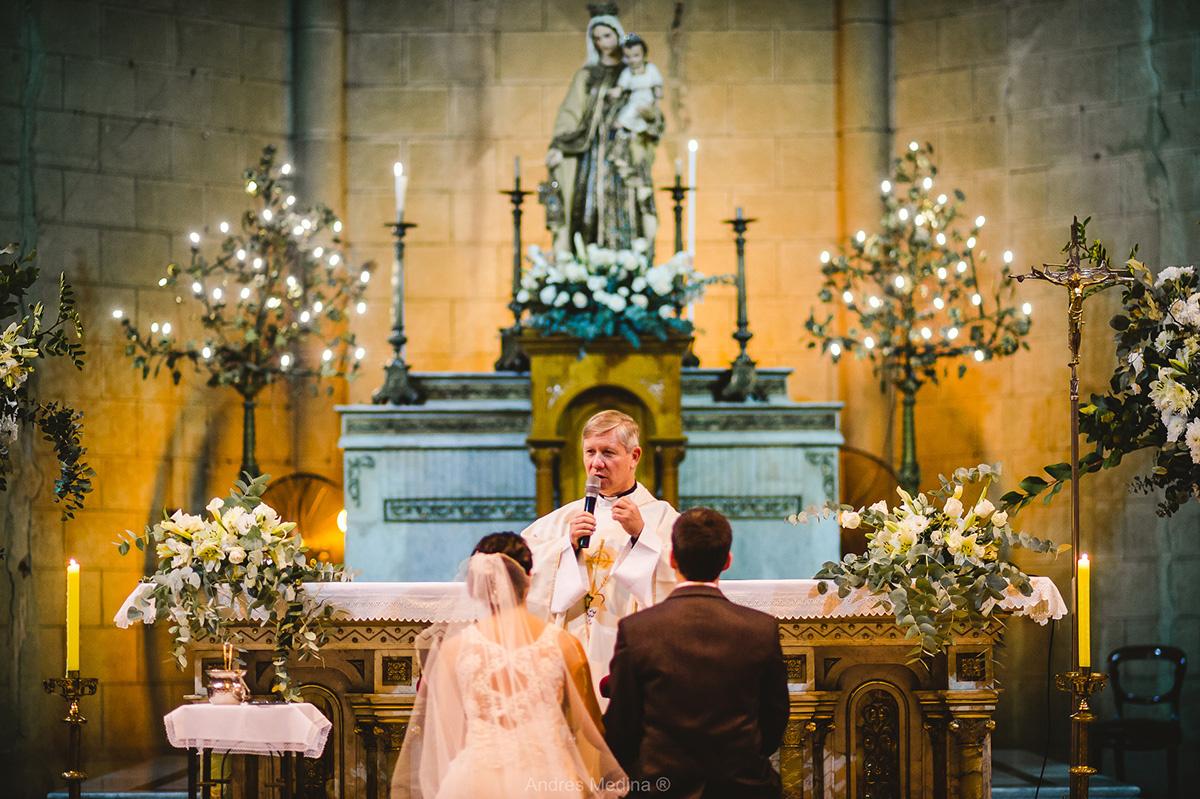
{"x":937,"y":561}
{"x":240,"y":565}
{"x":279,"y":282}
{"x":26,"y":339}
{"x":1153,"y":392}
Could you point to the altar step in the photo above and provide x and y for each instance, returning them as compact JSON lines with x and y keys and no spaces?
{"x":1015,"y":776}
{"x":163,"y":777}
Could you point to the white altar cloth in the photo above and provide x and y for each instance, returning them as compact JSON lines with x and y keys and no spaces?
{"x":784,"y":599}
{"x":249,"y":729}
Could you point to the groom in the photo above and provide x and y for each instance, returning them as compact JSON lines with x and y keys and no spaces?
{"x":698,"y":690}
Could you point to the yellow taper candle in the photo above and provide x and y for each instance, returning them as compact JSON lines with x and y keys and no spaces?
{"x":72,"y":616}
{"x":1084,"y":621}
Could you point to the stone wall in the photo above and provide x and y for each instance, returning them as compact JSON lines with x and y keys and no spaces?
{"x":130,"y":124}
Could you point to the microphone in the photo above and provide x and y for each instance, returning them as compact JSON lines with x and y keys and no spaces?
{"x":591,"y":490}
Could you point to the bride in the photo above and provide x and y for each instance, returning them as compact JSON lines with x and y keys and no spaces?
{"x":505,"y":705}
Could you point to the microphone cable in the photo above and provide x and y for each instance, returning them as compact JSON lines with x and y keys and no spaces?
{"x":1049,"y":714}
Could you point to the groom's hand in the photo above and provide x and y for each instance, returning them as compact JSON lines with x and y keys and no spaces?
{"x":582,"y":524}
{"x":630,"y":518}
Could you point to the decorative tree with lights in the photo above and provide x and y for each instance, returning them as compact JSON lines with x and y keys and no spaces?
{"x":279,"y":284}
{"x":910,"y":294}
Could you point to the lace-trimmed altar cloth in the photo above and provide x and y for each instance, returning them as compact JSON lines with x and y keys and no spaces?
{"x":784,"y":599}
{"x":249,"y":729}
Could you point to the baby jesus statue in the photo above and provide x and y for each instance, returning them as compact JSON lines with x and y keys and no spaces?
{"x":643,"y":83}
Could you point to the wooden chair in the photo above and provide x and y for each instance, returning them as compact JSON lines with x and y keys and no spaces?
{"x":1124,"y":734}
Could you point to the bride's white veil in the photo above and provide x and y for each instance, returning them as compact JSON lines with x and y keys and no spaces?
{"x":501,"y":709}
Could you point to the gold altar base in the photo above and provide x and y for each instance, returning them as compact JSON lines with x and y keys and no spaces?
{"x":863,"y":721}
{"x":73,"y":688}
{"x":1080,"y":684}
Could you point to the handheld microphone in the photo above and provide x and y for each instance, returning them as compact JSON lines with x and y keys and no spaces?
{"x":591,"y":491}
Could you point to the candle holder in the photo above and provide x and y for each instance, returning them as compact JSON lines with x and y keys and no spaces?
{"x":73,"y":688}
{"x":512,"y":357}
{"x":1080,"y":685}
{"x":740,"y":382}
{"x":678,"y":193}
{"x":399,"y":387}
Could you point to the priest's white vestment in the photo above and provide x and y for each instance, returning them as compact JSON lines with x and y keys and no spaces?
{"x":589,"y":592}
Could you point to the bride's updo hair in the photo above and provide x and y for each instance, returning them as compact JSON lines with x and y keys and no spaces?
{"x":517,"y":557}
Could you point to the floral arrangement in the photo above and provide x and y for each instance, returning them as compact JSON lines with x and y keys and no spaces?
{"x":240,"y":562}
{"x":595,"y":292}
{"x":29,"y":338}
{"x":1153,"y":397}
{"x":935,"y":560}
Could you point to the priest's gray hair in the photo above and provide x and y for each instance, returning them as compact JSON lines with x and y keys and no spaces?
{"x":625,"y":426}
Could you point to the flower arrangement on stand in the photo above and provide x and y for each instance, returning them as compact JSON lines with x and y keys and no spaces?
{"x":935,"y":560}
{"x":1153,"y":397}
{"x":280,"y":283}
{"x":596,"y":292}
{"x":26,"y":340}
{"x":238,"y":563}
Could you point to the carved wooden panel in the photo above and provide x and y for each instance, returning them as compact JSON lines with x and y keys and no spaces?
{"x":397,"y":670}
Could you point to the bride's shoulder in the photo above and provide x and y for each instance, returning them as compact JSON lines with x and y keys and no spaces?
{"x":572,"y":650}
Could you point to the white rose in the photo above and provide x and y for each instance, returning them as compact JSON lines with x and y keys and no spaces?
{"x":616,"y":303}
{"x":666,"y":311}
{"x":547,"y":294}
{"x":580,"y":299}
{"x":639,"y":284}
{"x":984,"y":508}
{"x":623,"y":291}
{"x":954,"y":508}
{"x":640,"y":245}
{"x":639,"y":300}
{"x":236,"y":555}
{"x":522,"y":296}
{"x":596,"y":283}
{"x":1175,"y":426}
{"x":1192,"y":439}
{"x":850,"y":519}
{"x":1000,"y":518}
{"x":561,"y":300}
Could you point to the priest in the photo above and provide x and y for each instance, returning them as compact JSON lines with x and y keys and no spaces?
{"x":592,"y":569}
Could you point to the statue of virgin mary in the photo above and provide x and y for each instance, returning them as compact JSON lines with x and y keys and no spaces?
{"x":607,"y":193}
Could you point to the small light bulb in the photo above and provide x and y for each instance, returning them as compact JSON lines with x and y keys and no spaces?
{"x":942,"y":273}
{"x":166,"y":328}
{"x":942,"y":199}
{"x":693,"y":145}
{"x":335,"y":259}
{"x":194,"y":237}
{"x":291,"y":281}
{"x":245,"y":293}
{"x":274,"y":302}
{"x":885,"y":186}
{"x":304,"y":317}
{"x":251,"y":187}
{"x":197,"y":287}
{"x":360,"y":353}
{"x":835,"y":349}
{"x":118,"y":313}
{"x":361,"y":307}
{"x":903,"y":214}
{"x":318,"y":306}
{"x":926,"y":333}
{"x":217,"y":294}
{"x":952,"y":333}
{"x":976,"y":299}
{"x":971,"y":243}
{"x":939,"y":303}
{"x":1027,"y":309}
{"x":980,"y":220}
{"x":327,"y":356}
{"x":162,"y":281}
{"x":927,"y":183}
{"x":919,"y":220}
{"x":979,"y":355}
{"x":869,"y":342}
{"x":318,"y":252}
{"x":154,"y":327}
{"x":285,"y":361}
{"x":297,"y":231}
{"x":899,"y":281}
{"x":258,"y":263}
{"x":286,"y":169}
{"x":848,"y":296}
{"x":304,"y":223}
{"x":206,"y":353}
{"x":267,"y":215}
{"x":365,"y":277}
{"x":913,"y":146}
{"x":961,"y":267}
{"x":337,"y":226}
{"x":290,"y":201}
{"x":861,"y":236}
{"x":941,"y":239}
{"x":1008,"y":256}
{"x":224,"y":227}
{"x":874,"y":302}
{"x":825,"y":256}
{"x":241,"y":255}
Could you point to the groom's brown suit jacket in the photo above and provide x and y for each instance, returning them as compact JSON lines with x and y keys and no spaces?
{"x":698,"y":698}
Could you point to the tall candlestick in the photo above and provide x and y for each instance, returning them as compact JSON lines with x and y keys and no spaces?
{"x":401,"y":189}
{"x":693,"y":146}
{"x":679,"y":168}
{"x":72,"y":617}
{"x":517,"y":170}
{"x":1084,"y":619}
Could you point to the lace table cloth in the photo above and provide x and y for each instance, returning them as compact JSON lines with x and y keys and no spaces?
{"x":249,"y":729}
{"x":784,"y":599}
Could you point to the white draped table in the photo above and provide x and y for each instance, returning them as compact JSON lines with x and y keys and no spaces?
{"x":784,"y":599}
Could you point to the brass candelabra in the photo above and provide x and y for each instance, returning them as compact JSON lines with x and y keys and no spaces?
{"x":73,"y":688}
{"x":1082,"y":273}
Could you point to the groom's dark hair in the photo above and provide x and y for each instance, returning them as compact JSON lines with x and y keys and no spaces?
{"x":700,"y":539}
